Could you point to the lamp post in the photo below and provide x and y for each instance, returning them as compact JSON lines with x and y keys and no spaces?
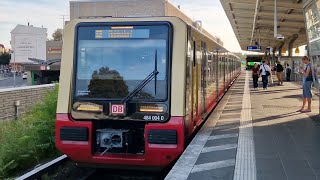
{"x":275,"y":20}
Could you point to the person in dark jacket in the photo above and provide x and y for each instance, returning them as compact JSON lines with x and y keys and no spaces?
{"x":255,"y":75}
{"x":288,"y":72}
{"x":279,"y":69}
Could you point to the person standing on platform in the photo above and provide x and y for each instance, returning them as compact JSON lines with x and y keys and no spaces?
{"x":279,"y":70}
{"x":255,"y":75}
{"x":318,"y":70}
{"x":270,"y":80}
{"x":317,"y":74}
{"x":288,"y":72}
{"x":307,"y":80}
{"x":264,"y":72}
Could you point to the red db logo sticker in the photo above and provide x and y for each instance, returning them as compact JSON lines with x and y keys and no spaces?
{"x":117,"y":109}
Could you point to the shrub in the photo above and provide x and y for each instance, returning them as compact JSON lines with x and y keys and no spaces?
{"x":30,"y":139}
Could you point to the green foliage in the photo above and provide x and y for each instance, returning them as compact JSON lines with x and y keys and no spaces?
{"x":5,"y":58}
{"x":30,"y":139}
{"x":57,"y":35}
{"x":100,"y":86}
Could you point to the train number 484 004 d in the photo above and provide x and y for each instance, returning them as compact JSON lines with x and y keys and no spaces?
{"x":153,"y":118}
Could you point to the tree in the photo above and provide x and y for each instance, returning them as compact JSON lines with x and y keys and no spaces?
{"x":107,"y":83}
{"x":5,"y":58}
{"x":57,"y":35}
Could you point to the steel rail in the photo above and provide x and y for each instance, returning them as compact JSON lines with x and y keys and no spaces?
{"x":43,"y":168}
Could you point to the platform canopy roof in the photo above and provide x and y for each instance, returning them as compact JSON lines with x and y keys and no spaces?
{"x":253,"y":22}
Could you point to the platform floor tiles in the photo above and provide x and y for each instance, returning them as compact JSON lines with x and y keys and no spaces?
{"x":255,"y":134}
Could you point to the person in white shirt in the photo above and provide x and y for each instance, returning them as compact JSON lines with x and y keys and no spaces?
{"x":265,"y":71}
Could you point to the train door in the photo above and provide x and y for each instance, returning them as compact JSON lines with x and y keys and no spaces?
{"x":203,"y":76}
{"x":229,"y":73}
{"x":221,"y":75}
{"x":210,"y":84}
{"x":233,"y":68}
{"x":194,"y":92}
{"x":230,"y":69}
{"x":224,"y":72}
{"x":217,"y":69}
{"x":189,"y":66}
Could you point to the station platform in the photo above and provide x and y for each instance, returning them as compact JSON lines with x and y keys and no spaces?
{"x":255,"y":134}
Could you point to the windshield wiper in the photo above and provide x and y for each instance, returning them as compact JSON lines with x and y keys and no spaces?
{"x":143,"y":83}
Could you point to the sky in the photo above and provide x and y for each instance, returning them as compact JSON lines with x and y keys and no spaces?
{"x":48,"y":13}
{"x":213,"y":18}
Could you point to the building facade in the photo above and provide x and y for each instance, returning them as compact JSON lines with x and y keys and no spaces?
{"x":54,"y":50}
{"x":28,"y":42}
{"x":42,"y":72}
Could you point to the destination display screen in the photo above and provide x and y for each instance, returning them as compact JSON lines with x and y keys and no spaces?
{"x":253,"y":48}
{"x":122,"y":33}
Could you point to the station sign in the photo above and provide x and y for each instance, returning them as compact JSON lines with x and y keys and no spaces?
{"x":253,"y":48}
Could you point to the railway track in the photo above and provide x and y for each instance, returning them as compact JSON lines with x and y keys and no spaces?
{"x":63,"y":168}
{"x":125,"y":175}
{"x":43,"y":169}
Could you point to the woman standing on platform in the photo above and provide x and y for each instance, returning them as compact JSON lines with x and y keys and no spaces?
{"x":306,"y":84}
{"x":265,"y":72}
{"x":255,"y":75}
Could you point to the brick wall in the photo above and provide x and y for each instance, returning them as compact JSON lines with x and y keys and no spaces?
{"x":27,"y":96}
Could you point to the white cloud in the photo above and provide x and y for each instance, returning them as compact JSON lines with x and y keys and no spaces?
{"x":39,"y":13}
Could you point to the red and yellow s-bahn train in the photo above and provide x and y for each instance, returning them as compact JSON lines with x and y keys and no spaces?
{"x":134,"y":90}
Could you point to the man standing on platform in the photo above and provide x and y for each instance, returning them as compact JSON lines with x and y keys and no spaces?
{"x":264,"y":72}
{"x":270,"y":78}
{"x":279,"y":69}
{"x":288,"y":72}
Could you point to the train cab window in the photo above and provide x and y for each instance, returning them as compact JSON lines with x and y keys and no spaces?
{"x":112,"y":61}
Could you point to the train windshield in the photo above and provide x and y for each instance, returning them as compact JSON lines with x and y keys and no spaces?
{"x":112,"y":61}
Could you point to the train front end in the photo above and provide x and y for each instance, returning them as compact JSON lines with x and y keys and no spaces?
{"x":115,"y":98}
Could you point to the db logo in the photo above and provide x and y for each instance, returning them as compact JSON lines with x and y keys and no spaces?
{"x":117,"y":109}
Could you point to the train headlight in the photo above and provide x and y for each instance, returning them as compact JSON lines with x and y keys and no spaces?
{"x":89,"y":107}
{"x":152,"y":108}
